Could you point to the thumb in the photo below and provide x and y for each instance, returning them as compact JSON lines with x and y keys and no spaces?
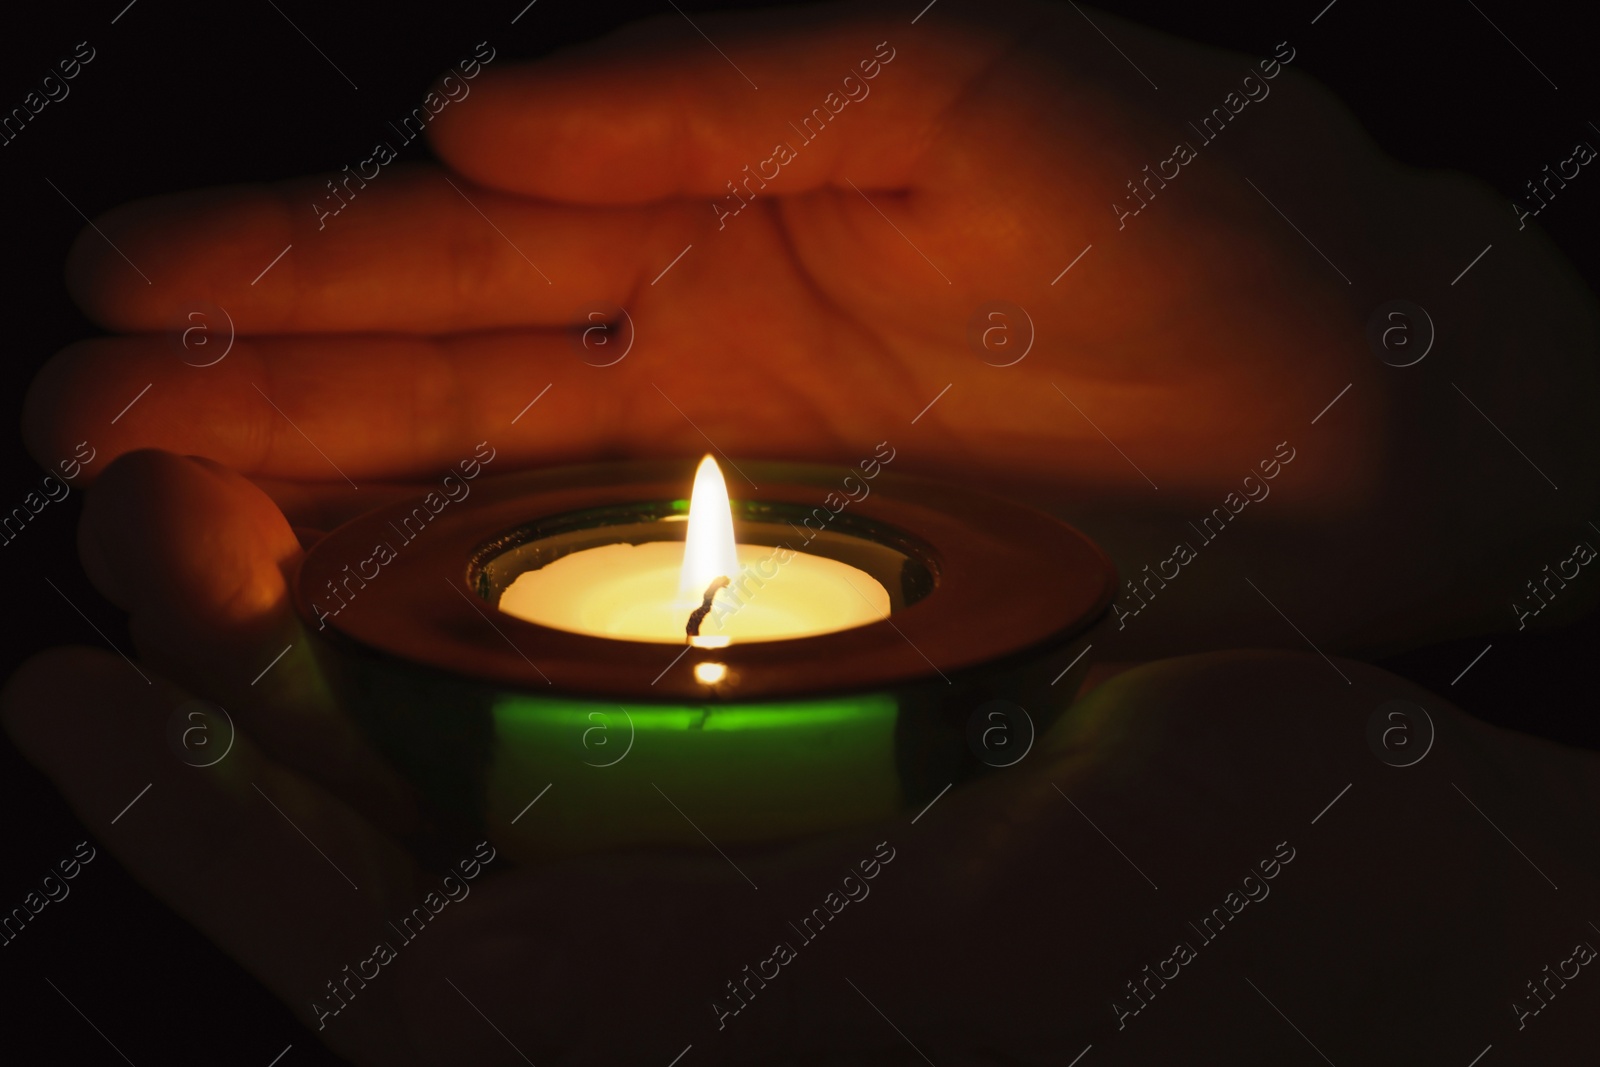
{"x":197,"y":556}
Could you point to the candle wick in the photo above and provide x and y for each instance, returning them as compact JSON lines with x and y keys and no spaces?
{"x":698,"y":615}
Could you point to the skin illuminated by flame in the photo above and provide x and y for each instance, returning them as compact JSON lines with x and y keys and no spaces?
{"x":708,"y":551}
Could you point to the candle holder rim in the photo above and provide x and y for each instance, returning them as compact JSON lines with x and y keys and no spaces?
{"x":975,"y":615}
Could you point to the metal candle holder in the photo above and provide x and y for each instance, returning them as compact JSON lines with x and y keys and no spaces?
{"x":626,"y":743}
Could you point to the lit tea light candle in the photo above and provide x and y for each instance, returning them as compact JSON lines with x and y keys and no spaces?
{"x":653,"y":591}
{"x":573,"y":688}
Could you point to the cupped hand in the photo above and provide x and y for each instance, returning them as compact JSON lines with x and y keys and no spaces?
{"x":1379,"y":909}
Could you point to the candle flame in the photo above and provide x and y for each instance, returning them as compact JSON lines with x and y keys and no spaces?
{"x":709,"y":551}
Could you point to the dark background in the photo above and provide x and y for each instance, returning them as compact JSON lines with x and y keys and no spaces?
{"x":187,"y":94}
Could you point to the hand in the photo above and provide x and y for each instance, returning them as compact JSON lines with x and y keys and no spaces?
{"x":1003,"y":929}
{"x":1197,"y":336}
{"x":981,"y":158}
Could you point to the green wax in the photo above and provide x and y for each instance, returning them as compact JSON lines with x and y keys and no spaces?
{"x":741,"y":772}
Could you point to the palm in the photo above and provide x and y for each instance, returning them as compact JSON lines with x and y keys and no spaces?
{"x":845,"y":290}
{"x":1017,"y":949}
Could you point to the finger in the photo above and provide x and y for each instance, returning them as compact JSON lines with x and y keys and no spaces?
{"x":197,"y":556}
{"x":346,"y":411}
{"x":658,"y":110}
{"x":223,"y":845}
{"x":410,"y":251}
{"x":320,"y":409}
